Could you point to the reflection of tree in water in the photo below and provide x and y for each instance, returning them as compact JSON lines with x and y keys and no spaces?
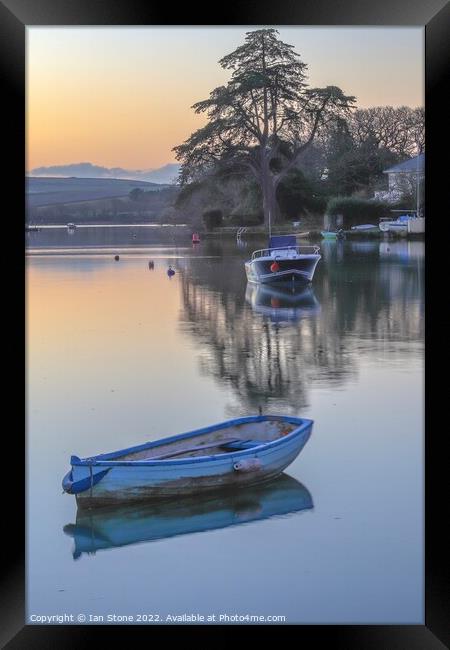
{"x":247,"y":353}
{"x":375,"y":289}
{"x":363,"y":294}
{"x":264,"y":362}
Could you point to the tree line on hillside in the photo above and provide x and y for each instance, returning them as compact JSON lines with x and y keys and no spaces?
{"x":274,"y":148}
{"x":138,"y":205}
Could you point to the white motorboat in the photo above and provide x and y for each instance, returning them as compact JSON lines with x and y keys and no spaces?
{"x":283,"y":261}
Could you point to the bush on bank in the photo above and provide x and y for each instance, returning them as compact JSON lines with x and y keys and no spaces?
{"x":212,"y":219}
{"x":355,"y":211}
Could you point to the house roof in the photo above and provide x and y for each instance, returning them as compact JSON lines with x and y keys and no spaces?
{"x":408,"y":166}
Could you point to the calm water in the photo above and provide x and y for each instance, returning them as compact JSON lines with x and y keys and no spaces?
{"x":119,"y":354}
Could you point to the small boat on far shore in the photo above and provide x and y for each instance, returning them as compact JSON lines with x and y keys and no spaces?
{"x":365,"y":227}
{"x":395,"y":225}
{"x":232,"y":454}
{"x":332,"y":234}
{"x":404,"y":224}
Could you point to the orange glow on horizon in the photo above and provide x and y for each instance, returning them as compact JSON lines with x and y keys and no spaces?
{"x":122,"y":97}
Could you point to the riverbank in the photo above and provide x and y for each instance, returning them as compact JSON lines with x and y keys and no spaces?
{"x":255,"y":233}
{"x":231,"y":233}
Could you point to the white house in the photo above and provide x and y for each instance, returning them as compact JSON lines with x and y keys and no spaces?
{"x":403,"y":179}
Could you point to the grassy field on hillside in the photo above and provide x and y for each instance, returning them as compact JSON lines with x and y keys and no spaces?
{"x":53,"y":191}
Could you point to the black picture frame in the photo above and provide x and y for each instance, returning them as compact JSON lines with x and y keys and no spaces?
{"x":434,"y":15}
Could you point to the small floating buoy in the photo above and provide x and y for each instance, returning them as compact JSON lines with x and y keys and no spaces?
{"x":170,"y":271}
{"x":117,"y":258}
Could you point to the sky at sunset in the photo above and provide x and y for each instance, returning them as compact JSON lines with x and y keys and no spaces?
{"x":121,"y":97}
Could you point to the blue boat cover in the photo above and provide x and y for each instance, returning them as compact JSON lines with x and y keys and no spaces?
{"x":281,"y":241}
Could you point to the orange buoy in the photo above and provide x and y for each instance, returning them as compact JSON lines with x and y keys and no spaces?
{"x":274,"y":267}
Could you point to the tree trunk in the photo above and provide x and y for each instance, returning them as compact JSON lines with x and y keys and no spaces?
{"x":270,"y":204}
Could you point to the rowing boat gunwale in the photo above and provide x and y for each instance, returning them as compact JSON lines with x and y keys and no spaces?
{"x":107,"y":460}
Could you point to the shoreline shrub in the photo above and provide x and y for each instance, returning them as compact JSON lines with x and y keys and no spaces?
{"x":356,"y":211}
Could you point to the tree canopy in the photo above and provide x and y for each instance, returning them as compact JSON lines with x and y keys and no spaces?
{"x":263,"y":118}
{"x":401,"y":130}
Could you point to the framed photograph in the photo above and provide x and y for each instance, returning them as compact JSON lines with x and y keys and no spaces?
{"x":227,"y":408}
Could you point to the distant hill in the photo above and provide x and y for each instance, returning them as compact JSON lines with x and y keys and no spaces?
{"x":52,"y":191}
{"x":166,"y":174}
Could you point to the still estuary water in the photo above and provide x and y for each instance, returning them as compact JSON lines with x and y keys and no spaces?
{"x":119,"y":353}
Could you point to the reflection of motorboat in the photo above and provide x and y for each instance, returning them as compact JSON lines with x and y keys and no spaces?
{"x":401,"y":251}
{"x":112,"y":527}
{"x":282,"y":303}
{"x":363,"y":246}
{"x":283,"y":261}
{"x":397,"y":249}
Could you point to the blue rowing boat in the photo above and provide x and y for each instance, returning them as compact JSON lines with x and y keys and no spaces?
{"x":133,"y":523}
{"x":242,"y":451}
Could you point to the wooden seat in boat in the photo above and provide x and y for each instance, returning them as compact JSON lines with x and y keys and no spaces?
{"x":242,"y":444}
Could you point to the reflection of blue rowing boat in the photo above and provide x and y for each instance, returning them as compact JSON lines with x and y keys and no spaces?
{"x":282,"y":303}
{"x":119,"y":526}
